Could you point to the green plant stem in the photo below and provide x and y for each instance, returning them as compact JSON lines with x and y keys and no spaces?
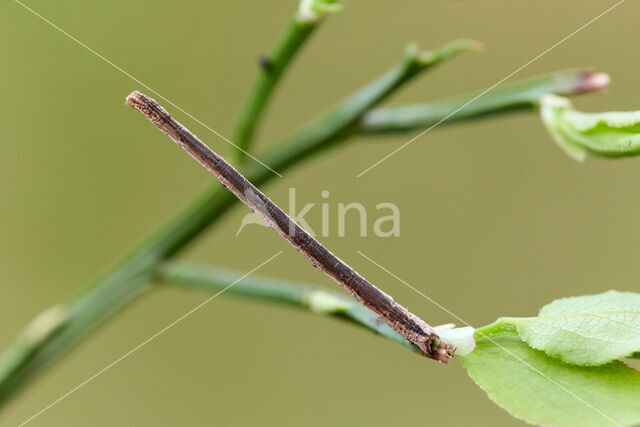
{"x":513,"y":97}
{"x":133,"y":276}
{"x":300,"y":295}
{"x":342,"y":121}
{"x":272,"y":67}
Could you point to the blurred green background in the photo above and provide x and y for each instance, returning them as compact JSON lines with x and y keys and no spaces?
{"x":496,"y":221}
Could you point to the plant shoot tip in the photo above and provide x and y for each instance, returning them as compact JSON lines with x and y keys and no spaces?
{"x":596,"y":82}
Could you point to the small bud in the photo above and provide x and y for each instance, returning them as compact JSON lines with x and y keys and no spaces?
{"x":462,"y":338}
{"x":45,"y":324}
{"x":326,"y":303}
{"x":593,"y":82}
{"x":444,"y":52}
{"x":311,"y":11}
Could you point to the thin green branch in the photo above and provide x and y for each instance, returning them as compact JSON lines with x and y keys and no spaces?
{"x":342,"y":121}
{"x":513,"y":97}
{"x":272,"y":68}
{"x":300,"y":295}
{"x":133,"y":276}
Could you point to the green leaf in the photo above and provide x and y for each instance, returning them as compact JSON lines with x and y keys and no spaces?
{"x":586,"y":330}
{"x":538,"y":389}
{"x":612,"y":134}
